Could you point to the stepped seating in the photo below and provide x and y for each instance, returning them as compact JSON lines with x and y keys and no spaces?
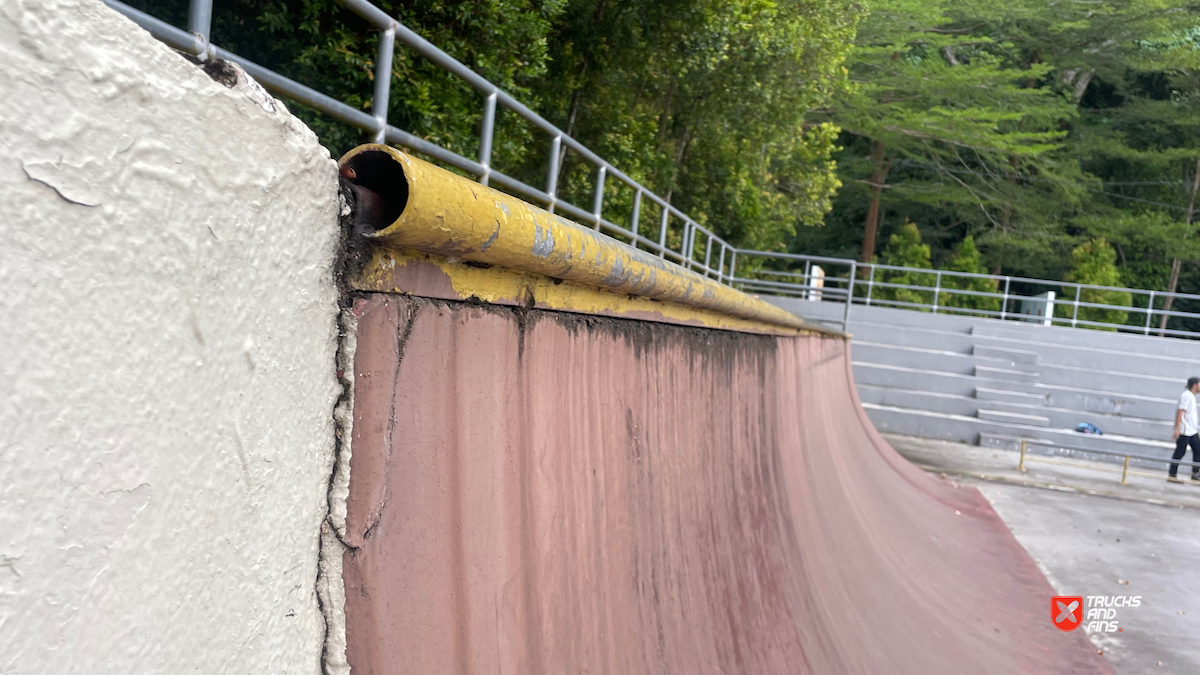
{"x":992,"y":383}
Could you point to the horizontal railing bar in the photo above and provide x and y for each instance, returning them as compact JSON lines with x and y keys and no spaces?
{"x":996,"y":277}
{"x":788,"y":292}
{"x":840,"y":281}
{"x":515,"y":185}
{"x":397,"y":136}
{"x":759,"y":283}
{"x":292,"y":89}
{"x":370,"y":12}
{"x":175,"y":37}
{"x":899,"y":303}
{"x":782,"y":273}
{"x":1109,"y":453}
{"x":796,"y":256}
{"x":950,"y":309}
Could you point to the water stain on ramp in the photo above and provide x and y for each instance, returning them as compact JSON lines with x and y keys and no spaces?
{"x":534,"y":492}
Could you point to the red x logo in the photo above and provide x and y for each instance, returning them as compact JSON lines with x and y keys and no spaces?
{"x":1066,"y":611}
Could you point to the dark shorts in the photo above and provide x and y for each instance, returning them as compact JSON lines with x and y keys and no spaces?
{"x":1181,"y":446}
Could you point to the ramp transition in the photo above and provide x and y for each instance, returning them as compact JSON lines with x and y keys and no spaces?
{"x":569,"y":456}
{"x":539,"y":492}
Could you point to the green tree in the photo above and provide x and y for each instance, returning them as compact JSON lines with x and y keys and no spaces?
{"x":967,"y":259}
{"x":938,"y":103}
{"x":1094,"y":263}
{"x":905,"y":249}
{"x":705,"y":102}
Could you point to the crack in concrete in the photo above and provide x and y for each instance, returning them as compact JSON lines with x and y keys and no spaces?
{"x":332,"y":544}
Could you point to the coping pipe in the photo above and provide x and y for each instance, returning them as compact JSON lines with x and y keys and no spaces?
{"x":429,"y":209}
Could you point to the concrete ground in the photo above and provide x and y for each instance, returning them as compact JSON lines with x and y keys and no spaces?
{"x":1091,"y":535}
{"x":1094,"y":478}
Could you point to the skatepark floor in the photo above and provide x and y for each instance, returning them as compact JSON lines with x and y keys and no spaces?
{"x":1093,"y":536}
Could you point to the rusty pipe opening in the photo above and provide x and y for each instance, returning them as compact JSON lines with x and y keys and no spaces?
{"x":379,"y":187}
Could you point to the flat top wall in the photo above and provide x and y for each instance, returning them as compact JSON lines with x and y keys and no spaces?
{"x":168,"y":340}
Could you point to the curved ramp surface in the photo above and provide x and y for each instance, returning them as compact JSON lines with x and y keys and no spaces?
{"x":536,"y":492}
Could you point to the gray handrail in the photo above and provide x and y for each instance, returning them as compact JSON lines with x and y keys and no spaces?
{"x":1025,"y":442}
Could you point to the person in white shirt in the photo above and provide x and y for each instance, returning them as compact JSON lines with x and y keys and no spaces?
{"x":1187,"y":430}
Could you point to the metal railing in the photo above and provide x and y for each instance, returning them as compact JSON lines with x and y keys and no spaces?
{"x":947,"y":292}
{"x":1027,"y":457}
{"x":699,"y":248}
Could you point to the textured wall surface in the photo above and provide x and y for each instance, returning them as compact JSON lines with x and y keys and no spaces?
{"x":535,"y":492}
{"x":167,"y":340}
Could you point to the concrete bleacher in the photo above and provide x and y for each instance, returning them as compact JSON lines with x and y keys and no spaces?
{"x":992,"y":382}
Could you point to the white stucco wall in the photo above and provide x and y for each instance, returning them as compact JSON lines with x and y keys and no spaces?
{"x":167,"y":358}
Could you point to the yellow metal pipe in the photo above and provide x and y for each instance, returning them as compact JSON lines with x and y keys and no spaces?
{"x":432,"y":210}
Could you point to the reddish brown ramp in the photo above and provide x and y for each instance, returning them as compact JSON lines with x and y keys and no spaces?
{"x":548,"y":493}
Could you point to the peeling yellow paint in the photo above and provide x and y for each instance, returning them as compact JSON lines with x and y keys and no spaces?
{"x":459,"y":219}
{"x":391,"y":270}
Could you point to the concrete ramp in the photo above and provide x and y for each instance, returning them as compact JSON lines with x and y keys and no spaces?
{"x":544,"y":492}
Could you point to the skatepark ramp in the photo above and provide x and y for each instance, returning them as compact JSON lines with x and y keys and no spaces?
{"x":528,"y":449}
{"x":548,"y":476}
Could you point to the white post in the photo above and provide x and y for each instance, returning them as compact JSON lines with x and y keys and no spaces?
{"x":818,"y":282}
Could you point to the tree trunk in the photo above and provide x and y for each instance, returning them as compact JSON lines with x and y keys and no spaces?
{"x":1079,"y":79}
{"x":878,"y":176}
{"x":1174,"y":281}
{"x":1006,"y":217}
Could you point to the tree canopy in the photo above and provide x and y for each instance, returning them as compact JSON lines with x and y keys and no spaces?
{"x":1010,"y":134}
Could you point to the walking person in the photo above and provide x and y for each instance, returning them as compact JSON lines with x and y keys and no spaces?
{"x":1187,"y":430}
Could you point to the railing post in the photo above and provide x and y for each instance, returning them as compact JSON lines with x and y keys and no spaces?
{"x":870,"y":285}
{"x":721,"y":264}
{"x":1004,"y":300}
{"x":637,"y":214}
{"x":807,"y":280}
{"x":849,"y":296}
{"x":1075,"y":311}
{"x":662,"y":233}
{"x":1021,"y":465}
{"x":937,"y":289}
{"x":733,"y":268}
{"x":552,"y":172}
{"x":383,"y":82}
{"x":1125,"y":471}
{"x":598,"y":198}
{"x":683,"y":244}
{"x":1149,"y":313}
{"x":708,"y":256}
{"x":199,"y":23}
{"x":685,"y":249}
{"x":486,"y":128}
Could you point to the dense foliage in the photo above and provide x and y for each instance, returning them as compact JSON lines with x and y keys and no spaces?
{"x":704,"y":101}
{"x":1033,"y":128}
{"x":1009,"y":134}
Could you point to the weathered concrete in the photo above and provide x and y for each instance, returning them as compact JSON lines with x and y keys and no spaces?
{"x":1091,"y":545}
{"x":999,"y":465}
{"x":168,"y":339}
{"x":542,"y":493}
{"x":1089,"y":533}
